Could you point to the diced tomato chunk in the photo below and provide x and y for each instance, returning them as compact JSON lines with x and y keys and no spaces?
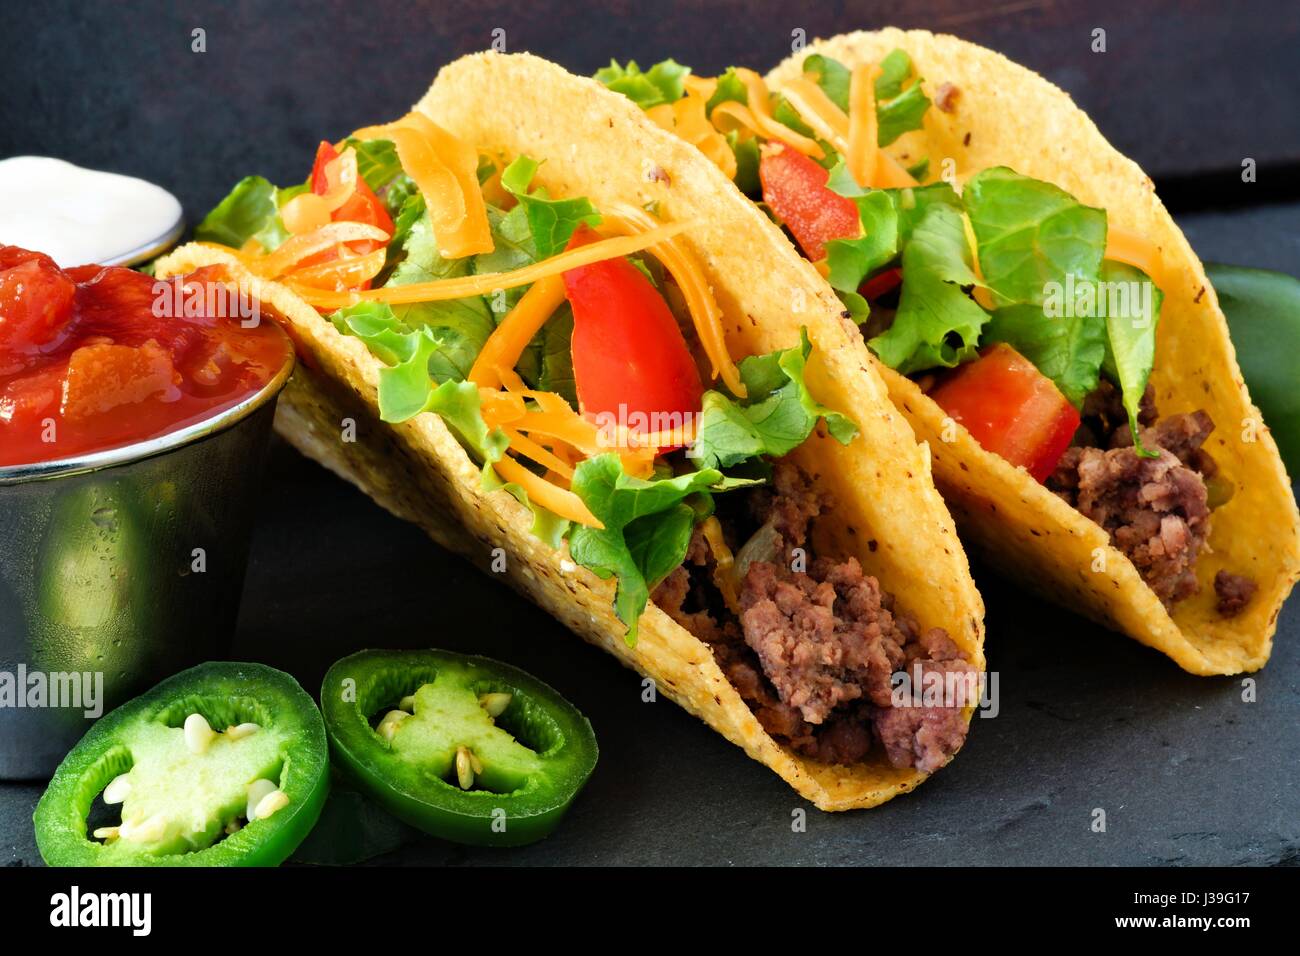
{"x":101,"y":377}
{"x":794,"y":187}
{"x":1011,"y":409}
{"x":35,"y":300}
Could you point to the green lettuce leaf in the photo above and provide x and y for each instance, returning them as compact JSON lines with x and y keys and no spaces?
{"x":1130,"y":337}
{"x":937,"y":323}
{"x":888,"y":217}
{"x":647,"y":528}
{"x":776,"y":416}
{"x":850,"y":261}
{"x":1031,"y":233}
{"x":249,"y":211}
{"x":747,"y":158}
{"x":832,"y":76}
{"x":662,"y":83}
{"x":551,"y":221}
{"x":900,"y":101}
{"x":1037,"y":244}
{"x":459,"y":327}
{"x":729,"y":88}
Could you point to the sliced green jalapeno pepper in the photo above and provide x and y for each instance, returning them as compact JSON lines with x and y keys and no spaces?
{"x":465,"y":748}
{"x":220,"y":765}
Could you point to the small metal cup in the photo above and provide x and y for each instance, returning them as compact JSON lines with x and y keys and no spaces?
{"x":118,"y":569}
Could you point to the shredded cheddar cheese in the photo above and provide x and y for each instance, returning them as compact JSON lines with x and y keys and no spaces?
{"x":686,"y":119}
{"x":723,"y":571}
{"x":827,"y":120}
{"x":308,"y":211}
{"x":511,"y":337}
{"x":296,"y":248}
{"x":446,"y":171}
{"x":757,"y":118}
{"x":486,"y":282}
{"x":553,"y":498}
{"x":1135,"y":250}
{"x":863,"y":125}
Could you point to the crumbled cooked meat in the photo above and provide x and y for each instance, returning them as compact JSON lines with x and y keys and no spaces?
{"x":1183,"y":435}
{"x":1153,"y":508}
{"x":789,"y":505}
{"x":946,"y":96}
{"x":821,"y":645}
{"x":1234,"y":592}
{"x":814,"y":654}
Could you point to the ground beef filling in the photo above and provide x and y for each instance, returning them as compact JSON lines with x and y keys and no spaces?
{"x":813,"y":650}
{"x":1154,"y":509}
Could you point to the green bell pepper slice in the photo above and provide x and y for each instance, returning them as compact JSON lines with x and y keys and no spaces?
{"x":465,"y":748}
{"x":190,"y":788}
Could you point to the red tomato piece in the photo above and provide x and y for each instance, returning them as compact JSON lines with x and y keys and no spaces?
{"x":877,"y":286}
{"x":794,"y":187}
{"x":104,"y":377}
{"x":629,"y":355}
{"x":1011,"y":408}
{"x":35,"y":299}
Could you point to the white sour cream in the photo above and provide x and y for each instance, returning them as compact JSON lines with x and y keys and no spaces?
{"x":78,"y":216}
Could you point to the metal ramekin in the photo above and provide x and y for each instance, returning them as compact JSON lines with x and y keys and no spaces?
{"x":127,"y":563}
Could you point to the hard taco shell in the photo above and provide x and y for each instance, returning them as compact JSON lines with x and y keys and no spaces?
{"x":597,"y":144}
{"x":1005,"y":114}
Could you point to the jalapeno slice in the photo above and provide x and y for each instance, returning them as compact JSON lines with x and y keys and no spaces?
{"x":465,"y":748}
{"x":221,"y":765}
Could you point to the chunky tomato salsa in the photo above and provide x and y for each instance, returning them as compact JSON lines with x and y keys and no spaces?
{"x":96,"y":357}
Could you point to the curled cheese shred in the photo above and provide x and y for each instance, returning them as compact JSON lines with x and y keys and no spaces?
{"x":521,"y":443}
{"x":815,"y":107}
{"x":686,"y":119}
{"x":487,"y":282}
{"x":296,"y":248}
{"x":757,"y":118}
{"x":1135,"y":250}
{"x":508,"y":341}
{"x":724,"y":563}
{"x":308,"y":211}
{"x":890,"y":173}
{"x":348,"y":271}
{"x":685,"y":270}
{"x":558,"y":500}
{"x":446,"y":171}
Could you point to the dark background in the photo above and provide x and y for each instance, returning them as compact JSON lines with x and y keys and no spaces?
{"x":1186,"y":772}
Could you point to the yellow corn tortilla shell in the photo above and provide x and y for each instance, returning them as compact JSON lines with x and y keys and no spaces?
{"x":1007,"y":115}
{"x":598,"y":144}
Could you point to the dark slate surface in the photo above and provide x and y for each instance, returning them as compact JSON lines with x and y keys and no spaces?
{"x":1186,"y":771}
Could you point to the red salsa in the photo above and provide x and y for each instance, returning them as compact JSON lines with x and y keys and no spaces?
{"x":96,"y":357}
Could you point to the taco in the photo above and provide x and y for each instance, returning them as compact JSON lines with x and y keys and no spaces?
{"x":1036,"y":315}
{"x":552,"y":335}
